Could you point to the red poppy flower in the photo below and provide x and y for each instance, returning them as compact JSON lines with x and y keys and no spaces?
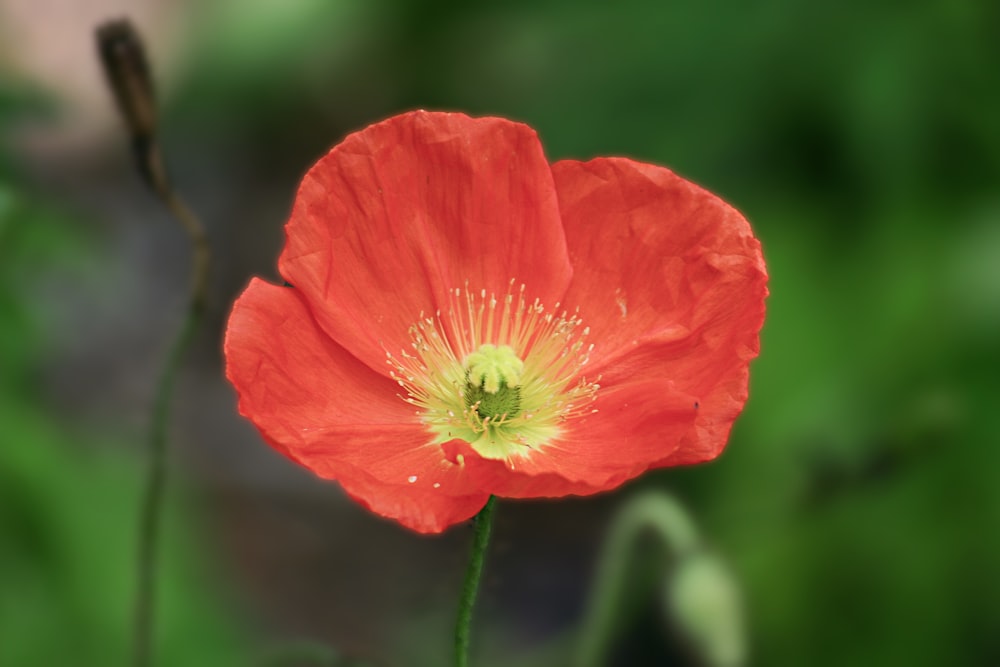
{"x":466,"y":319}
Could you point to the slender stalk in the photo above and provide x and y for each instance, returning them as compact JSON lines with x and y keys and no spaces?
{"x":123,"y":57}
{"x":662,"y":516}
{"x":151,"y":511}
{"x":480,"y":540}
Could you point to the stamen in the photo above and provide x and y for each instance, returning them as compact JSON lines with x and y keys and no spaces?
{"x":501,"y":373}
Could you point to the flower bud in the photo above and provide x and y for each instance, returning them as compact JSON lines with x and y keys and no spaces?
{"x":123,"y":57}
{"x":124,"y":60}
{"x":704,"y":601}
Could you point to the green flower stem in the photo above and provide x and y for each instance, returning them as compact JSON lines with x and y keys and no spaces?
{"x":151,"y":511}
{"x":156,"y":474}
{"x":481,"y":539}
{"x":655,"y":512}
{"x":123,"y":58}
{"x":151,"y":514}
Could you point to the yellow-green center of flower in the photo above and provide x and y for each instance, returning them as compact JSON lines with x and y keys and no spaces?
{"x":504,"y":374}
{"x":492,"y":382}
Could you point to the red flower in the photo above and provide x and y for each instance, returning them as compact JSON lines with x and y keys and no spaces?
{"x":467,"y":319}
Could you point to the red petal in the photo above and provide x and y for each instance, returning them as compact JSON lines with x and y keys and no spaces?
{"x":324,"y":409}
{"x":407,"y":209}
{"x":291,"y":377}
{"x":522,"y":478}
{"x":416,"y":507}
{"x":672,"y":284}
{"x":658,"y":259}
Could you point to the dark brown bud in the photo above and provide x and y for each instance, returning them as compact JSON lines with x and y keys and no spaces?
{"x":123,"y":57}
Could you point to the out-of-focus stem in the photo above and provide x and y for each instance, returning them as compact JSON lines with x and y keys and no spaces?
{"x":654,"y":512}
{"x":126,"y":67}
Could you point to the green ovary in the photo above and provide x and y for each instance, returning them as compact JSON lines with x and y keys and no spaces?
{"x":496,"y":415}
{"x":492,"y":382}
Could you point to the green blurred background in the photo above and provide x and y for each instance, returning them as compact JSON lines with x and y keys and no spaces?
{"x":859,"y":501}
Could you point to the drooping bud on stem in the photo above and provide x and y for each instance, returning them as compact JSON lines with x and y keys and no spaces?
{"x":126,"y":67}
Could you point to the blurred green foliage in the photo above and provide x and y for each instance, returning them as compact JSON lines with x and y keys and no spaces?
{"x":858,"y":500}
{"x":67,"y":506}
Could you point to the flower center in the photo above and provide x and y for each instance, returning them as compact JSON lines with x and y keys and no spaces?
{"x":492,"y":379}
{"x":504,"y":374}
